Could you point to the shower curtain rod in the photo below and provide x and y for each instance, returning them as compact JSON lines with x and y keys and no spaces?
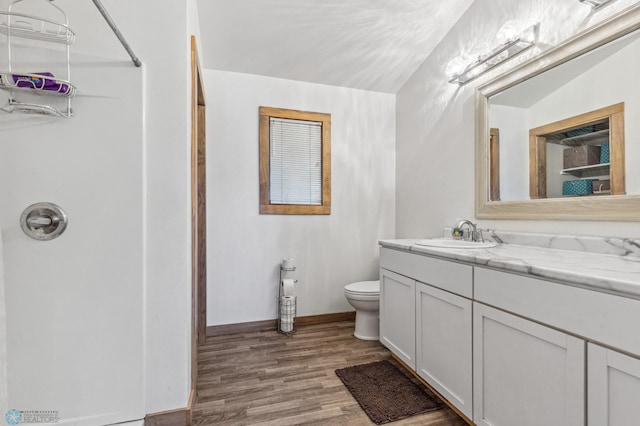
{"x":117,"y":32}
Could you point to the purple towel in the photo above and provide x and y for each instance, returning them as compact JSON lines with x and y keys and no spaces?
{"x":38,"y":82}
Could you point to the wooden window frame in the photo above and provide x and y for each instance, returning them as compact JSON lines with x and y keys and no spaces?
{"x":265,"y":204}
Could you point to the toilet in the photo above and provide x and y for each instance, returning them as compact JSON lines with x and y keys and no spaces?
{"x":365,"y":297}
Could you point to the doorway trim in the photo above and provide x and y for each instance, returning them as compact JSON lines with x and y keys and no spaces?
{"x":198,"y":216}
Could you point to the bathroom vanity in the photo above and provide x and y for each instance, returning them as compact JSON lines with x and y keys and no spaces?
{"x":538,"y":334}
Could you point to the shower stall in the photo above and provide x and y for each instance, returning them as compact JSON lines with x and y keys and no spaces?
{"x":74,"y":304}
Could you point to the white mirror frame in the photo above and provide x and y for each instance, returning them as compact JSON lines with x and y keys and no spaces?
{"x":603,"y":207}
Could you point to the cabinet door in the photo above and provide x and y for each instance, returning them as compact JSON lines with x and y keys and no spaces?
{"x":613,"y":388}
{"x":524,"y":373}
{"x":443,"y":344}
{"x":398,"y":316}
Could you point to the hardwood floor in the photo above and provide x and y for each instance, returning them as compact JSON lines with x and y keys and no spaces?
{"x":266,"y":378}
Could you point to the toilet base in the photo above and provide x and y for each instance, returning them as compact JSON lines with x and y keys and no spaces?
{"x":367,"y":325}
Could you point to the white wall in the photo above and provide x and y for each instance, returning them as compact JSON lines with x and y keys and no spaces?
{"x":165,"y":44}
{"x":159,"y":34}
{"x":514,"y":150}
{"x":435,"y":121}
{"x":244,"y":247}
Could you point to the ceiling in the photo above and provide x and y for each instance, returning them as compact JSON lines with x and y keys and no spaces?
{"x":365,"y":44}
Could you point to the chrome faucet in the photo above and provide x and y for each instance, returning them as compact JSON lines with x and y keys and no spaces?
{"x":474,"y":234}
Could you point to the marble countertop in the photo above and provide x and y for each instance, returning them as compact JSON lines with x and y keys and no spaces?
{"x":609,"y":265}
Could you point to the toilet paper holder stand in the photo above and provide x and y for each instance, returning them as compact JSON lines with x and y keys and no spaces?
{"x":286,"y":307}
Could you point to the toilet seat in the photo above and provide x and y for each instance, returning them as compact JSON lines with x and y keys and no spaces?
{"x":363,"y":288}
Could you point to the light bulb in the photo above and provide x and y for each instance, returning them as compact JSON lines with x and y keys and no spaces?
{"x":509,"y":31}
{"x":481,"y":51}
{"x":455,"y":67}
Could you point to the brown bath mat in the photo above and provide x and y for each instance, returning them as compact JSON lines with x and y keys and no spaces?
{"x":385,"y":393}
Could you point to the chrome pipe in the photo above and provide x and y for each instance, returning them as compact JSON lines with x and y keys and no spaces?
{"x":117,"y":32}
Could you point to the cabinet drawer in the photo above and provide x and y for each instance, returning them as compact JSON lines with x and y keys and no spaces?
{"x":450,"y":276}
{"x":606,"y":318}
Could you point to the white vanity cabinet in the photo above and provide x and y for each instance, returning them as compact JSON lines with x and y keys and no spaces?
{"x":398,"y":316}
{"x":509,"y":348}
{"x":433,"y":336}
{"x":443,"y":344}
{"x":613,"y":387}
{"x":525,"y":374}
{"x":525,"y":371}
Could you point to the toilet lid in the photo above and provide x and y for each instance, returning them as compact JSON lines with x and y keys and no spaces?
{"x":367,"y":287}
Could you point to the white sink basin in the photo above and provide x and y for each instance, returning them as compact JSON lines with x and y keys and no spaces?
{"x":459,"y":244}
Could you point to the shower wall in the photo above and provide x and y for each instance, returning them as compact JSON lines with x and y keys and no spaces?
{"x":75,"y":304}
{"x":4,"y":406}
{"x":110,"y":298}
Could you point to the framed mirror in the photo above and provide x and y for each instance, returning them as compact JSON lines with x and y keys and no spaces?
{"x":552,"y":142}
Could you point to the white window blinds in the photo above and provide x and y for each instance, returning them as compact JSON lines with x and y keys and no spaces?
{"x":295,"y":162}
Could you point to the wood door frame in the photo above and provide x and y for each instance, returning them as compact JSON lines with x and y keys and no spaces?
{"x":494,"y":164}
{"x":198,"y":215}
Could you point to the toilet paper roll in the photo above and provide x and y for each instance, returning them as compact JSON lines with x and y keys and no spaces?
{"x":286,"y":326}
{"x":287,"y":305}
{"x":287,"y":309}
{"x":288,"y":286}
{"x":287,"y":263}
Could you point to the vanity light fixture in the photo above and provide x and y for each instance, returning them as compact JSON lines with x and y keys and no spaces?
{"x":512,"y":42}
{"x":595,"y":4}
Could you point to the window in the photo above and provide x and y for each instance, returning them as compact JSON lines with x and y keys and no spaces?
{"x":295,"y":162}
